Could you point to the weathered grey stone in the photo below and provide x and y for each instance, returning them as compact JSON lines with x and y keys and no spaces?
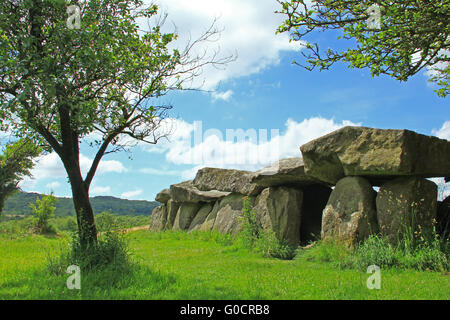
{"x":279,"y":210}
{"x":315,"y":199}
{"x":228,"y":214}
{"x":187,"y":192}
{"x":236,"y":181}
{"x":158,"y":218}
{"x":377,"y":154}
{"x":172,"y":210}
{"x":406,"y":202}
{"x":185,"y":215}
{"x":350,"y":213}
{"x":201,"y":216}
{"x":163,"y":196}
{"x":286,"y":172}
{"x":208,"y":224}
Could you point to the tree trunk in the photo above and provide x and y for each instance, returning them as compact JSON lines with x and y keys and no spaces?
{"x":87,"y":230}
{"x":69,"y":153}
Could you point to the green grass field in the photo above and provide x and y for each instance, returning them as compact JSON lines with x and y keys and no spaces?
{"x":175,"y":265}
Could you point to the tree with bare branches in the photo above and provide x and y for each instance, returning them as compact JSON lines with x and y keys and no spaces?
{"x":69,"y":70}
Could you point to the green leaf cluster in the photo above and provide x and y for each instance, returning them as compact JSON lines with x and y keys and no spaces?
{"x":43,"y":211}
{"x":16,"y":162}
{"x":413,"y":35}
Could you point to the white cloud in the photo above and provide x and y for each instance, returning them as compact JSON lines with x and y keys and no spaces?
{"x":438,"y":68}
{"x":179,"y":131}
{"x":159,"y":172}
{"x":190,"y":173}
{"x":222,"y":95}
{"x":50,"y":166}
{"x":53,"y":185}
{"x":249,"y":150}
{"x":104,"y":166}
{"x":131,"y":194}
{"x":433,"y":68}
{"x":247,"y":29}
{"x":8,"y":136}
{"x":443,"y":132}
{"x":98,"y":190}
{"x":46,"y":166}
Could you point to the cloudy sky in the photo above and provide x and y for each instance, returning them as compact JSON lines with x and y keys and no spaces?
{"x":261,"y":95}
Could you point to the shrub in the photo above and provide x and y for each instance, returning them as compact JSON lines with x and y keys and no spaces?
{"x":106,"y":221}
{"x":269,"y":246}
{"x":251,"y":227}
{"x":17,"y":227}
{"x":426,"y":258}
{"x":43,"y":211}
{"x":426,"y":255}
{"x":415,"y":247}
{"x":109,"y":252}
{"x":334,"y":251}
{"x":376,"y":250}
{"x":66,"y":223}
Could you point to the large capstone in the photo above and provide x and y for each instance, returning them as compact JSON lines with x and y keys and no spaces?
{"x":350,"y":213}
{"x":377,"y":154}
{"x":406,"y":205}
{"x":279,"y":210}
{"x":236,"y":181}
{"x":187,"y":192}
{"x":163,"y":196}
{"x":285,"y":172}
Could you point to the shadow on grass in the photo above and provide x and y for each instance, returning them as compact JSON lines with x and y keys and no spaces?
{"x":140,"y":282}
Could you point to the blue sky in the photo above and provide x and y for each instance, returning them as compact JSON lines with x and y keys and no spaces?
{"x":260,"y":90}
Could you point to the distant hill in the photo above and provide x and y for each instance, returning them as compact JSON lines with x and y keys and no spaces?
{"x":19,"y":204}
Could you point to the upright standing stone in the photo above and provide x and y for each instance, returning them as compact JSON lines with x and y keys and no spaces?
{"x":407,"y":202}
{"x":208,"y":224}
{"x":229,"y":213}
{"x":279,"y":210}
{"x":350,"y":213}
{"x":185,"y":215}
{"x":201,"y":216}
{"x":158,"y":218}
{"x":172,"y":210}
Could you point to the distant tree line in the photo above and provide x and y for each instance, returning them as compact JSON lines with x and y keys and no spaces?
{"x":19,"y":204}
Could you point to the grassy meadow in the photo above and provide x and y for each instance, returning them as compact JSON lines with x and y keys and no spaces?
{"x":176,"y":265}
